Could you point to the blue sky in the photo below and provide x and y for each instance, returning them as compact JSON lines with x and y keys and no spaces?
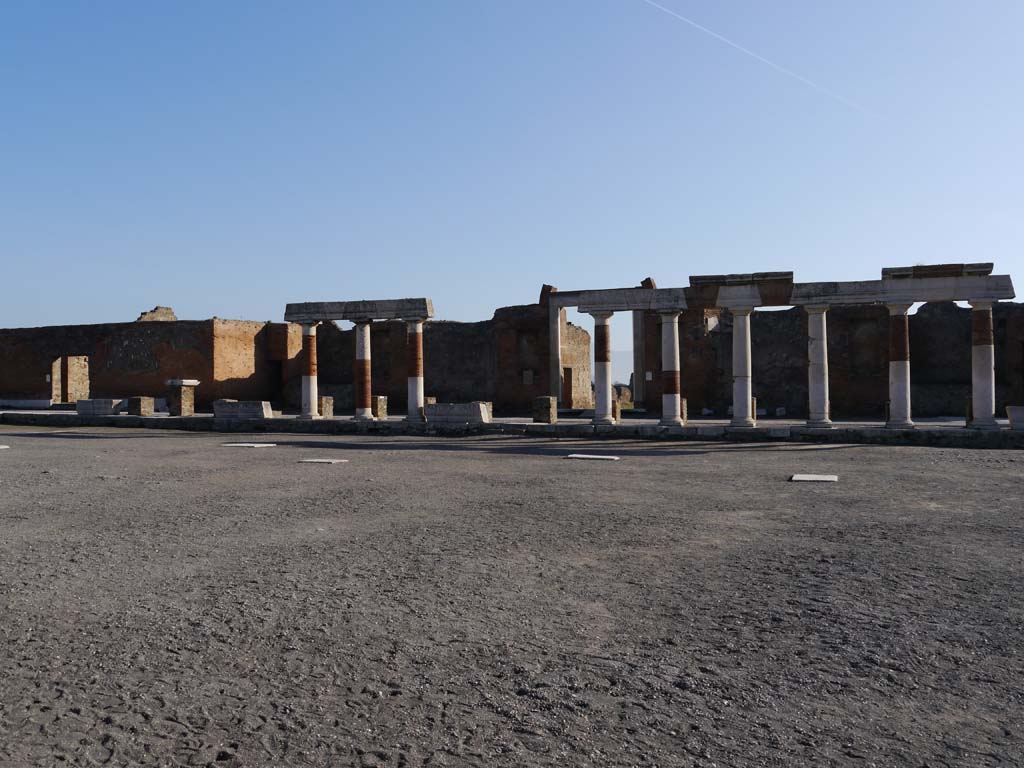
{"x":226,"y":158}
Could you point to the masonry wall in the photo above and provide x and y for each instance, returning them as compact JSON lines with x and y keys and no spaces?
{"x":125,"y":359}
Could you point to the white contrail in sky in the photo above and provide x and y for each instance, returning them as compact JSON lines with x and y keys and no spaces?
{"x":758,"y":57}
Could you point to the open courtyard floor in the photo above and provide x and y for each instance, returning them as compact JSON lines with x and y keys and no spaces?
{"x":169,"y":600}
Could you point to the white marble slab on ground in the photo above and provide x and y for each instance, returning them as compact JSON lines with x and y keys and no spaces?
{"x":322,"y":461}
{"x":248,"y":445}
{"x":814,"y":478}
{"x":591,"y":457}
{"x":4,"y":447}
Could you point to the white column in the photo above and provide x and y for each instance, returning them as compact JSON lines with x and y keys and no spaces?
{"x":554,"y":350}
{"x":310,"y":399}
{"x":899,"y":367}
{"x":414,"y":358}
{"x":983,"y":367}
{"x":602,"y":368}
{"x":819,"y":408}
{"x":363,"y":386}
{"x":742,"y":390}
{"x":671,"y":405}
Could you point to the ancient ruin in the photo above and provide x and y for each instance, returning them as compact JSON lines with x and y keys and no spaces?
{"x":842,"y":347}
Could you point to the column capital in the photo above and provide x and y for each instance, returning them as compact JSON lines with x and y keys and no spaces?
{"x":816,"y":309}
{"x":415,"y":319}
{"x":602,"y":316}
{"x":670,"y":313}
{"x":310,"y":328}
{"x":898,"y":309}
{"x":981,"y":305}
{"x":742,"y":311}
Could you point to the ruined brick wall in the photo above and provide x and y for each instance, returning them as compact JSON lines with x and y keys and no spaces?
{"x":576,"y":355}
{"x":125,"y":359}
{"x":243,"y":364}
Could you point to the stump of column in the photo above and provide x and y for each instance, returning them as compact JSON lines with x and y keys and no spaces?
{"x":983,"y":371}
{"x":671,"y":405}
{"x":602,"y":369}
{"x":819,"y":407}
{"x":899,"y":367}
{"x":414,"y":358}
{"x":742,"y":388}
{"x":310,"y":402}
{"x":364,"y":408}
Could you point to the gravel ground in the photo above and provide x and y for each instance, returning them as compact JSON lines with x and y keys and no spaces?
{"x":165,"y":600}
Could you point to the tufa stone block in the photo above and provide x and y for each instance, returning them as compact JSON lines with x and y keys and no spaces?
{"x":545,"y":410}
{"x":379,"y":407}
{"x":181,"y":396}
{"x":326,"y":406}
{"x":97,"y":407}
{"x":141,"y":406}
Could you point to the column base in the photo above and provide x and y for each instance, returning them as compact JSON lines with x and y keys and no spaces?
{"x":820,"y":423}
{"x":908,"y":424}
{"x":742,"y":424}
{"x":984,"y":424}
{"x":364,"y":417}
{"x":673,"y":422}
{"x":603,"y":420}
{"x":310,"y":417}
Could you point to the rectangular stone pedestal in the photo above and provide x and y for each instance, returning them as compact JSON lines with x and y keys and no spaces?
{"x":140,"y":406}
{"x":545,"y":410}
{"x":379,"y":407}
{"x":181,"y":396}
{"x":326,"y":407}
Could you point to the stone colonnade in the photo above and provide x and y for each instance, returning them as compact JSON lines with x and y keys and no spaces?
{"x":414,"y":312}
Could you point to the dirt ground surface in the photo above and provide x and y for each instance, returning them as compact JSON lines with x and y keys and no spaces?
{"x":166,"y":600}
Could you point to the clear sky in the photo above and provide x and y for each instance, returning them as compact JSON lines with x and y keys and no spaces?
{"x":225,"y":158}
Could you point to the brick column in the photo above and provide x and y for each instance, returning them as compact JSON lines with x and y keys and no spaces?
{"x":899,"y":367}
{"x":819,"y":408}
{"x":671,"y":406}
{"x":602,"y":368}
{"x":983,"y":362}
{"x":414,"y":361}
{"x":309,"y":389}
{"x":362,"y":372}
{"x":742,"y":389}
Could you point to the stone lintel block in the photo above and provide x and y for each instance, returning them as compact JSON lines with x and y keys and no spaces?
{"x":458,"y":413}
{"x":628,"y":299}
{"x":904,"y":290}
{"x":242,"y":409}
{"x":545,"y":410}
{"x":359,"y":311}
{"x":97,"y":407}
{"x":937,"y":270}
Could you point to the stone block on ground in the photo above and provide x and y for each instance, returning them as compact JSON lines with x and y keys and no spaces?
{"x":379,"y":407}
{"x":181,"y":396}
{"x":326,"y":406}
{"x":141,"y":406}
{"x":97,"y":407}
{"x":616,"y":411}
{"x":1016,"y":415}
{"x":242,"y":409}
{"x":545,"y":410}
{"x":458,"y":413}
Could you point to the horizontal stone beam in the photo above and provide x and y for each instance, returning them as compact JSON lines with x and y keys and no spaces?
{"x":628,"y":299}
{"x":904,"y":290}
{"x":938,"y":270}
{"x":359,"y":311}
